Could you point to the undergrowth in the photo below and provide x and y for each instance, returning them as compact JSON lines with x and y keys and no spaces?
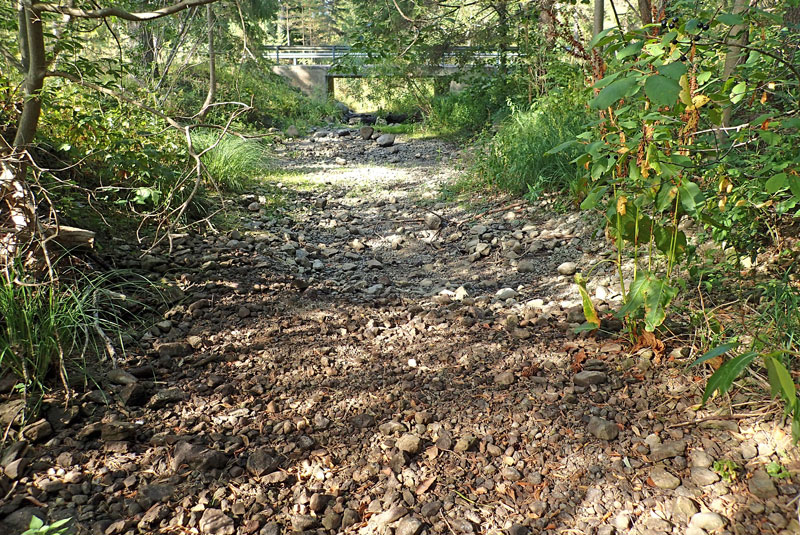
{"x":231,"y":160}
{"x":50,"y":330}
{"x":517,"y":158}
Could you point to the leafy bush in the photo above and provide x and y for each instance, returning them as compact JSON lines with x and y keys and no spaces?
{"x":517,"y":158}
{"x":231,"y":160}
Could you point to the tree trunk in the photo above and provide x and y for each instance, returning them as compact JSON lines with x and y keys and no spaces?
{"x":212,"y":65}
{"x":646,"y":12}
{"x":739,"y":37}
{"x":599,"y":16}
{"x":34,"y":78}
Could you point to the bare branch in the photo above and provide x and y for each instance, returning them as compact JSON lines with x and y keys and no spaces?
{"x":117,"y":12}
{"x":17,"y":64}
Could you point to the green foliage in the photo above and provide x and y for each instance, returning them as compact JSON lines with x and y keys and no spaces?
{"x":274,"y":102}
{"x":520,"y":158}
{"x":777,"y":470}
{"x":656,"y":160}
{"x":53,"y":327}
{"x":726,"y":469}
{"x":38,"y":527}
{"x":231,"y":161}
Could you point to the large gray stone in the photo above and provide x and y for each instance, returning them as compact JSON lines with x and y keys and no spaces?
{"x":667,"y":450}
{"x":386,"y":140}
{"x":761,"y":485}
{"x":602,"y":428}
{"x":215,"y":522}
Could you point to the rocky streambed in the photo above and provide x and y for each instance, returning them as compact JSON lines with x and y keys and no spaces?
{"x":370,"y":358}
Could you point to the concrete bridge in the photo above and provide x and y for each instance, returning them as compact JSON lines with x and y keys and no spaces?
{"x":313,"y":69}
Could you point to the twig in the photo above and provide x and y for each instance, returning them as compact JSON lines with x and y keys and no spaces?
{"x":493,"y":211}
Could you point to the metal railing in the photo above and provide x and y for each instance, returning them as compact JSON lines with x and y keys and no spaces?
{"x":331,"y":53}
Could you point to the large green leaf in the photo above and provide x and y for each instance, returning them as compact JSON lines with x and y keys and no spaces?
{"x":794,"y":184}
{"x":673,"y":70}
{"x":691,"y":197}
{"x":777,"y":183}
{"x":713,"y":353}
{"x":662,"y":91}
{"x":780,"y":380}
{"x":724,"y":377}
{"x":613,"y":92}
{"x":636,"y":294}
{"x":658,"y":296}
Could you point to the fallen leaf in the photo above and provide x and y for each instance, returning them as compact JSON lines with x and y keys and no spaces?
{"x":425,"y":485}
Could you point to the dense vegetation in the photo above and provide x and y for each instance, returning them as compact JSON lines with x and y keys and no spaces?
{"x":675,"y":128}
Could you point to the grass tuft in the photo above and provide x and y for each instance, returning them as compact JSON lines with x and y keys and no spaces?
{"x":234,"y":161}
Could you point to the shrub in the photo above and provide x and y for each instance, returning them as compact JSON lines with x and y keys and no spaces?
{"x":517,"y":158}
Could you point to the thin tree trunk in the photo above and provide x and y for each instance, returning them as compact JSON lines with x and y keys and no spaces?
{"x":599,"y":16}
{"x":646,"y":12}
{"x":739,"y":37}
{"x":212,"y":65}
{"x":34,"y":79}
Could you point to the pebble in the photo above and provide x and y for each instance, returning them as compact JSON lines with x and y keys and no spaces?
{"x":506,"y":293}
{"x":567,"y":268}
{"x":762,"y":486}
{"x":587,"y":378}
{"x":667,"y":450}
{"x":708,"y":521}
{"x":505,"y":378}
{"x":409,"y":443}
{"x":602,"y":428}
{"x":663,"y":479}
{"x":409,"y":525}
{"x":703,"y":477}
{"x":215,"y":522}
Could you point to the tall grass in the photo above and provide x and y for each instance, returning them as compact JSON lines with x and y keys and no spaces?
{"x":516,"y":158}
{"x":50,"y":329}
{"x":233,"y":161}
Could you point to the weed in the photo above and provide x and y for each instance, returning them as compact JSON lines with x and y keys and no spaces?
{"x":727,"y":470}
{"x":38,"y":527}
{"x":54,"y":327}
{"x":517,"y":158}
{"x":777,"y":470}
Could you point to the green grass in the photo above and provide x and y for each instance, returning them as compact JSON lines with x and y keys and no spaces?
{"x":50,"y":329}
{"x":234,"y":161}
{"x":515,"y":159}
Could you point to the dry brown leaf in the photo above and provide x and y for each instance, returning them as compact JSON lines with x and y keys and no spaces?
{"x":425,"y":485}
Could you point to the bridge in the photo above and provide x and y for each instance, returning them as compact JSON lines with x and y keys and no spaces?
{"x":313,"y":69}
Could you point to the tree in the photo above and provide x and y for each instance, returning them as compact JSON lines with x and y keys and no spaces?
{"x":37,"y":61}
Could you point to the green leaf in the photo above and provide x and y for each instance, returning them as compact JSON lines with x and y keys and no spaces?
{"x":724,"y":377}
{"x":593,"y":198}
{"x":659,"y":294}
{"x":730,"y":19}
{"x":662,"y":91}
{"x":561,"y":147}
{"x":636,"y":294}
{"x":713,"y":353}
{"x":691,"y":197}
{"x":673,"y":70}
{"x":780,"y":380}
{"x":597,"y":38}
{"x":738,"y":91}
{"x":613,"y":92}
{"x":589,"y":311}
{"x":631,"y":50}
{"x":36,"y":523}
{"x":794,"y":184}
{"x":777,"y":183}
